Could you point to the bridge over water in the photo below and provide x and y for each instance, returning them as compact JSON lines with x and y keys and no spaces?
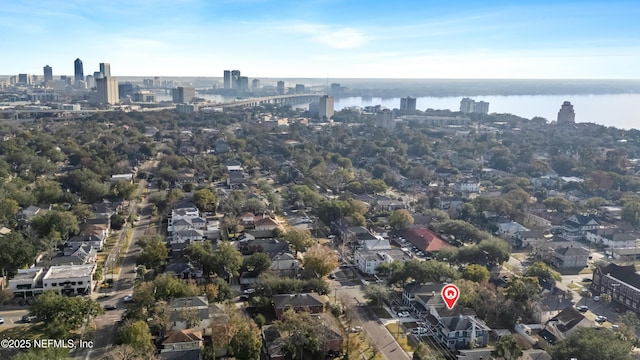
{"x":278,"y":99}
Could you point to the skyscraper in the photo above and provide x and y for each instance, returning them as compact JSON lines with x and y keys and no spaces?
{"x":105,"y":69}
{"x":78,"y":70}
{"x":227,"y":79}
{"x":408,"y":105}
{"x":335,"y":89}
{"x":325,"y":109}
{"x":24,"y":79}
{"x":244,"y":83}
{"x":235,"y":79}
{"x":255,"y":84}
{"x":466,"y":105}
{"x":107,"y":90}
{"x":183,"y":94}
{"x":566,"y":115}
{"x":299,"y":88}
{"x":281,"y":87}
{"x":481,"y":107}
{"x":48,"y":73}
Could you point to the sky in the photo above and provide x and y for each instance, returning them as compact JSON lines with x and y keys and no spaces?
{"x":463,"y":39}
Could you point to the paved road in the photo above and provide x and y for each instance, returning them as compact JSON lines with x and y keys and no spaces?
{"x":105,"y":334}
{"x":12,"y":317}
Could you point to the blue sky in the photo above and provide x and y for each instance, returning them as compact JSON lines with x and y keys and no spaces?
{"x":325,"y":38}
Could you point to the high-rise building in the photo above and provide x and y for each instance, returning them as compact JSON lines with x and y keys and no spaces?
{"x":48,"y":73}
{"x":125,"y":90}
{"x":105,"y":69}
{"x":467,"y":105}
{"x":227,"y":79}
{"x":281,"y":87}
{"x":24,"y":79}
{"x":299,"y":88}
{"x":235,"y":79}
{"x":566,"y":115}
{"x":183,"y":94}
{"x":335,"y":89}
{"x":325,"y":108}
{"x":97,"y":75}
{"x":385,"y":119}
{"x":244,"y":83}
{"x":91,"y":83}
{"x":408,"y":105}
{"x":78,"y":70}
{"x":107,"y":90}
{"x":255,"y":84}
{"x":481,"y":107}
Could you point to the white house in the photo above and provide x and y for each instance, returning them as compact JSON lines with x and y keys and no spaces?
{"x":186,"y":212}
{"x":467,"y":186}
{"x":368,"y":260}
{"x":510,"y":228}
{"x":612,"y":238}
{"x":180,"y":306}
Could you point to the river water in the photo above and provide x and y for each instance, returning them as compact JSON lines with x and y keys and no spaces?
{"x":618,"y":110}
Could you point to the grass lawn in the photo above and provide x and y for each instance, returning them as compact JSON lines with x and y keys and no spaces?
{"x":381,"y":312}
{"x":403,"y":338}
{"x":26,"y":332}
{"x":574,"y":286}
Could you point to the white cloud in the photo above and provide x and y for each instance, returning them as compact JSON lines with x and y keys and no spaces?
{"x":342,"y":38}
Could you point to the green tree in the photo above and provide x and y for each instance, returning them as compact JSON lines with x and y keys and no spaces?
{"x":377,"y":294}
{"x":388,"y":268}
{"x":246,"y":342}
{"x":558,"y":203}
{"x":400,"y":219}
{"x":62,"y":314}
{"x":205,"y":199}
{"x":462,"y":231}
{"x":496,"y":250}
{"x":476,"y":273}
{"x":199,"y":253}
{"x":300,"y":240}
{"x":52,"y":353}
{"x":543,"y":271}
{"x":227,"y":259}
{"x":166,"y":287}
{"x":124,"y":189}
{"x":319,"y":261}
{"x":507,"y":348}
{"x":55,"y":225}
{"x":523,"y":290}
{"x":631,"y":212}
{"x":424,"y":272}
{"x":587,"y":343}
{"x":15,"y":253}
{"x":154,"y":252}
{"x":8,"y":209}
{"x":257,"y":262}
{"x":137,"y":335}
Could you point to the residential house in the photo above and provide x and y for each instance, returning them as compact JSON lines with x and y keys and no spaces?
{"x":566,"y":322}
{"x":267,"y":223}
{"x":424,"y":239}
{"x":571,"y":258}
{"x":508,"y":229}
{"x":536,"y":222}
{"x":467,"y":185}
{"x":374,"y":244}
{"x":182,"y":309}
{"x":79,"y":240}
{"x":183,"y":269}
{"x":309,"y":302}
{"x":458,"y":332}
{"x":527,"y":239}
{"x":612,"y":238}
{"x":247,"y":220}
{"x":450,"y":202}
{"x":185,"y":211}
{"x":84,"y":254}
{"x":367,"y":261}
{"x":622,"y":283}
{"x":182,"y":340}
{"x":578,"y":225}
{"x":29,"y":212}
{"x":271,"y":247}
{"x":100,"y":230}
{"x":128,"y":177}
{"x":422,"y":297}
{"x":285,"y":265}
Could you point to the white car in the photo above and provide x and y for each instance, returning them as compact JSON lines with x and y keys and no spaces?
{"x":421,"y":323}
{"x":601,"y":318}
{"x":1,"y":320}
{"x":249,"y":291}
{"x":356,"y":329}
{"x":419,"y":331}
{"x":128,"y":298}
{"x":404,"y":314}
{"x":596,"y":298}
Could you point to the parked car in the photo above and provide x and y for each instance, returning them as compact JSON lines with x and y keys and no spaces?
{"x":419,"y":331}
{"x":249,"y":291}
{"x":356,"y":329}
{"x":404,"y":314}
{"x":128,"y":298}
{"x":582,"y":308}
{"x":332,"y":276}
{"x":1,"y":320}
{"x":421,"y":323}
{"x":596,"y":298}
{"x":110,"y":307}
{"x":28,"y":319}
{"x":601,"y":318}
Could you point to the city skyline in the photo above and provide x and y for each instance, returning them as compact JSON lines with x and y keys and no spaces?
{"x":324,"y":38}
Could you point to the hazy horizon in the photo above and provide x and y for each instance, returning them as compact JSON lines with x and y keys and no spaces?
{"x":326,"y":39}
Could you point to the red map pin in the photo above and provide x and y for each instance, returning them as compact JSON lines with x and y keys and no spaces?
{"x":450,"y":294}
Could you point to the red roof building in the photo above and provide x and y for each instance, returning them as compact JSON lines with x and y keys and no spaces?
{"x":424,"y":239}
